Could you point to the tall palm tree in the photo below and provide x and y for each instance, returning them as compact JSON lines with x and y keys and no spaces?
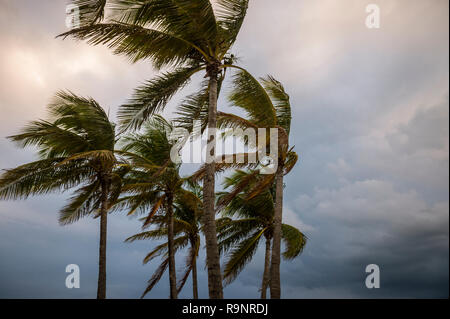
{"x":186,"y":36}
{"x":76,"y":149}
{"x":187,"y":226}
{"x":241,"y":237}
{"x":153,"y":183}
{"x":266,"y":105}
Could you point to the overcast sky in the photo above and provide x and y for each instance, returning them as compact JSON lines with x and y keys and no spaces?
{"x":370,"y":123}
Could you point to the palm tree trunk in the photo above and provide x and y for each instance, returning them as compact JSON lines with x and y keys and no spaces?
{"x":212,"y":250}
{"x":172,"y":271}
{"x":194,"y":278}
{"x":275,"y":289}
{"x":266,"y":274}
{"x":101,"y":287}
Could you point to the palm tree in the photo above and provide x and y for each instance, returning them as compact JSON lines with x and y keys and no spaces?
{"x":241,"y":237}
{"x":186,"y":36}
{"x":187,"y":226}
{"x":76,"y":149}
{"x":267,"y":106}
{"x":153,"y":182}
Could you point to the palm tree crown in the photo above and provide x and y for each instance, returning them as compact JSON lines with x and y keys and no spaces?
{"x":153,"y":182}
{"x":240,"y":238}
{"x":76,"y":148}
{"x":184,"y":36}
{"x":187,"y":227}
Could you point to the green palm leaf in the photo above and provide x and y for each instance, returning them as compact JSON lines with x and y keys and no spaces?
{"x":153,"y":96}
{"x":240,"y":256}
{"x":249,"y":95}
{"x":294,"y":241}
{"x":280,"y":101}
{"x":136,"y":42}
{"x":230,"y":16}
{"x":84,"y":202}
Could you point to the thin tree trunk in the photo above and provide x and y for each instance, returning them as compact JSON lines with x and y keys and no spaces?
{"x":194,"y":278}
{"x":172,"y":271}
{"x":266,"y":274}
{"x":212,"y":250}
{"x":101,"y":287}
{"x":275,"y":289}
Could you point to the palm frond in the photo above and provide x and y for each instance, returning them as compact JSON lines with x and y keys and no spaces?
{"x":240,"y":256}
{"x":83,"y":203}
{"x":194,"y":107}
{"x":51,"y":140}
{"x":261,"y":206}
{"x":228,"y":120}
{"x":226,"y":162}
{"x":230,"y":16}
{"x":261,"y":186}
{"x":235,"y":231}
{"x":42,"y":177}
{"x":237,"y":188}
{"x":158,"y":233}
{"x":153,"y":96}
{"x":76,"y":125}
{"x":294,"y":241}
{"x":291,"y":160}
{"x":202,"y":20}
{"x":154,"y":210}
{"x":280,"y":101}
{"x":136,"y":43}
{"x":178,"y":243}
{"x":156,"y":276}
{"x":102,"y":156}
{"x":190,"y":20}
{"x":249,"y":95}
{"x":192,"y":255}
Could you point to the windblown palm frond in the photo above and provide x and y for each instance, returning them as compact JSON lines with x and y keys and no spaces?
{"x":190,"y":262}
{"x":156,"y":276}
{"x":179,"y":243}
{"x":159,"y":233}
{"x":240,"y":256}
{"x":194,"y":107}
{"x":153,"y":96}
{"x":291,"y":160}
{"x":42,"y":177}
{"x":76,"y":125}
{"x":136,"y":43}
{"x":84,"y":202}
{"x":294,"y":240}
{"x":235,"y":231}
{"x":239,"y":238}
{"x":230,"y":16}
{"x":249,"y":95}
{"x":193,"y":20}
{"x":280,"y":100}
